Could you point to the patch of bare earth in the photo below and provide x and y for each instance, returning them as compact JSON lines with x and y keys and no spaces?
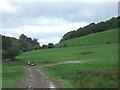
{"x":66,"y":62}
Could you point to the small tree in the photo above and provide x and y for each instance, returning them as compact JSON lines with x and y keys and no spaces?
{"x":36,"y":47}
{"x":3,"y":54}
{"x":11,"y":53}
{"x":64,"y":45}
{"x":44,"y":46}
{"x":51,"y":45}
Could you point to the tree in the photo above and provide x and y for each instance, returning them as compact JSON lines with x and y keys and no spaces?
{"x":51,"y":45}
{"x":92,"y":28}
{"x":36,"y":47}
{"x":6,"y":42}
{"x":23,"y":37}
{"x":35,"y":40}
{"x":44,"y":46}
{"x":27,"y":44}
{"x":64,"y":45}
{"x":10,"y":53}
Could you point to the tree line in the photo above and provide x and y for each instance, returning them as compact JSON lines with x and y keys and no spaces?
{"x":92,"y":28}
{"x":12,"y":46}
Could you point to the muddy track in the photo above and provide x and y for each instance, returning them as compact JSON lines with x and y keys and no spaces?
{"x":36,"y":79}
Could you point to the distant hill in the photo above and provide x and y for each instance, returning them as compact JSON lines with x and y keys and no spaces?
{"x":92,"y":28}
{"x":106,"y":37}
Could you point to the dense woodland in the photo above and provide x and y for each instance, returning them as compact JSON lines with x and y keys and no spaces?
{"x":92,"y":28}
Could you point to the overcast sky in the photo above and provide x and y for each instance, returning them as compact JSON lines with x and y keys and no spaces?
{"x":48,"y":21}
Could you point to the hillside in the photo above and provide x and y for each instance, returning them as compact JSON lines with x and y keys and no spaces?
{"x":99,"y":72}
{"x":92,"y":28}
{"x":106,"y":37}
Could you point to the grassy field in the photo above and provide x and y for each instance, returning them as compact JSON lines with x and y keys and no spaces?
{"x":13,"y":73}
{"x":101,"y":48}
{"x":101,"y":72}
{"x":110,"y":36}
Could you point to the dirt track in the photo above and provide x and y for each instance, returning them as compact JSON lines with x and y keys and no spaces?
{"x":66,"y":62}
{"x":36,"y":79}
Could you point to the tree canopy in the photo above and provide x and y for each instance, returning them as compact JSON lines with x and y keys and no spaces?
{"x":12,"y":46}
{"x":92,"y":28}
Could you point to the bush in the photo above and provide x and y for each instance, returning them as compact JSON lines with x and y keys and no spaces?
{"x":10,"y":53}
{"x":65,"y":45}
{"x":51,"y":45}
{"x":108,"y":42}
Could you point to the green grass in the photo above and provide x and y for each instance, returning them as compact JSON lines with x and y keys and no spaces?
{"x":13,"y":73}
{"x":110,"y":36}
{"x":101,"y":72}
{"x":65,"y":54}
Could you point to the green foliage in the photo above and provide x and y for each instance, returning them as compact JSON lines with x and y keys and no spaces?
{"x":44,"y":46}
{"x":10,"y":48}
{"x":92,"y":28}
{"x":27,"y":44}
{"x":51,"y":45}
{"x":11,"y":52}
{"x":36,"y":47}
{"x":106,"y":37}
{"x":6,"y":42}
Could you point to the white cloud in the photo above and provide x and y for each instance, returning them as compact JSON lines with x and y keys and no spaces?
{"x":44,"y":21}
{"x":45,"y":34}
{"x":6,"y":7}
{"x":64,"y":0}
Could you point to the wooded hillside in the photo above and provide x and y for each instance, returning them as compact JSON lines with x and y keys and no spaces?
{"x":92,"y":28}
{"x":12,"y":46}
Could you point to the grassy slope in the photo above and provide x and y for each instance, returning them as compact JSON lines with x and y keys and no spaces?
{"x":13,"y":73}
{"x":102,"y":72}
{"x":109,"y":36}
